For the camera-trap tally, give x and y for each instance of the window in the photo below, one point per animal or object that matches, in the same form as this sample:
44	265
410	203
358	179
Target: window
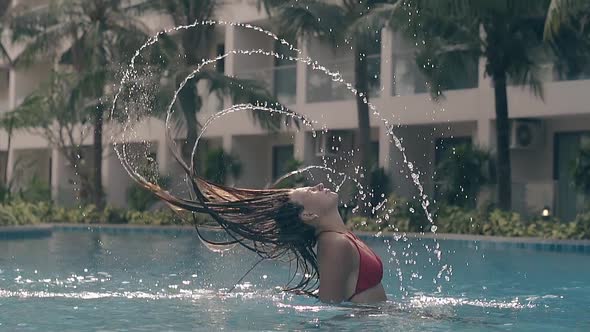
374	162
569	201
285	75
220	65
281	157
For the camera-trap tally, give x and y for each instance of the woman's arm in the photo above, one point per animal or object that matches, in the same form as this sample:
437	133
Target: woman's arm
335	254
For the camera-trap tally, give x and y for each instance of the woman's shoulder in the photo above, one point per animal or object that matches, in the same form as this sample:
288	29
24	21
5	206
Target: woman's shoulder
335	241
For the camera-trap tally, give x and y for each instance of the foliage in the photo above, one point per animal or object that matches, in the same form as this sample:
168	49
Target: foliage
293	181
88	38
564	12
462	173
380	187
397	214
219	164
195	45
509	34
484	221
141	199
4	193
35	191
581	170
345	24
19	212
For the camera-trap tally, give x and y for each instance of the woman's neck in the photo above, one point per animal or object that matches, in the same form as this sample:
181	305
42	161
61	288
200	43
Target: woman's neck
331	223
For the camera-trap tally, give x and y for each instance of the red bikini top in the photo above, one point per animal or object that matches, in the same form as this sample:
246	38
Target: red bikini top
370	265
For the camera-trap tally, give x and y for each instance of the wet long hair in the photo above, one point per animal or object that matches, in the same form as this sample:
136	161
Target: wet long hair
263	221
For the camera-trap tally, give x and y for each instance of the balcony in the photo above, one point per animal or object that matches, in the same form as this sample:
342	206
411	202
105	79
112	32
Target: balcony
321	87
409	80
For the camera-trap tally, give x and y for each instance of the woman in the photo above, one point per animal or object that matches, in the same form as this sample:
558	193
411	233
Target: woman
289	223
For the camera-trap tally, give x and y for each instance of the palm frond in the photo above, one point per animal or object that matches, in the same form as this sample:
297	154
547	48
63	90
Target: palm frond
370	23
560	12
248	91
323	20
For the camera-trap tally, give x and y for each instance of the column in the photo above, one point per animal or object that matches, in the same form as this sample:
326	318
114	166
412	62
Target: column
57	165
484	133
386	75
230	45
299	146
301	94
386	78
227	146
163	154
384	148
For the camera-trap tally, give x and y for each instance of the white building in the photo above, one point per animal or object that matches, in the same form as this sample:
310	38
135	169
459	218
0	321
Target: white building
540	168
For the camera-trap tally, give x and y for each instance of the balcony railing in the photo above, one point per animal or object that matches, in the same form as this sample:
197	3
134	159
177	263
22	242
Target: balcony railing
409	80
281	81
321	87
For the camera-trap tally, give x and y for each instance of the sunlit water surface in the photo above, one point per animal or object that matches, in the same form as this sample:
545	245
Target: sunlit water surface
124	281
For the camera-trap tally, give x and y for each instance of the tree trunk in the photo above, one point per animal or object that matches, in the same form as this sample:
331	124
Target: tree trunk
5	175
363	141
192	130
97	192
503	173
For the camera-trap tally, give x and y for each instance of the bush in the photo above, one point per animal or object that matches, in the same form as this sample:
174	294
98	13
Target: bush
36	191
380	185
580	170
25	213
484	221
141	199
582	226
219	164
453	219
397	214
462	174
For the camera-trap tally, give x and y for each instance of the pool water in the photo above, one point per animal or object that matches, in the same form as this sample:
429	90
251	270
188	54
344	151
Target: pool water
82	280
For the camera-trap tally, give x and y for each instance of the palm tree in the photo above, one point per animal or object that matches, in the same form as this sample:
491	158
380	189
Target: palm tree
60	112
567	30
561	12
508	33
88	36
359	22
195	44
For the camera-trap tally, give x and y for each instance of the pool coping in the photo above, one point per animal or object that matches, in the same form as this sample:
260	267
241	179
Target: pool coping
47	229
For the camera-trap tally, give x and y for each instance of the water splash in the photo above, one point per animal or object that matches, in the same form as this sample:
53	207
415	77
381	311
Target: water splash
128	77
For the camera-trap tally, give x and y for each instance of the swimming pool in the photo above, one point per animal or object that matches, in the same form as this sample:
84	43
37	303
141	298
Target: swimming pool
81	279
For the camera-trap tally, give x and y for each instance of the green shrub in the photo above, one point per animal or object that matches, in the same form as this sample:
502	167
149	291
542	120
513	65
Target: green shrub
462	173
219	164
36	191
484	221
582	226
397	214
141	199
25	213
580	170
380	184
453	219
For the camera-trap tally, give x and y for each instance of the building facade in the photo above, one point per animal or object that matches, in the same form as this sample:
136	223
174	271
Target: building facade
546	134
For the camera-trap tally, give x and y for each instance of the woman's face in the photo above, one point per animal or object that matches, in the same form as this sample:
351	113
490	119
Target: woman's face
317	201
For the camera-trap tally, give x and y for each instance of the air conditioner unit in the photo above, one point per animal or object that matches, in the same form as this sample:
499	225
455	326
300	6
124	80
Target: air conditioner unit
526	134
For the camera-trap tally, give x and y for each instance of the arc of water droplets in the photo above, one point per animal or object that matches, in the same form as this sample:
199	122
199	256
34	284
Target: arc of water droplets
315	66
336	76
308	61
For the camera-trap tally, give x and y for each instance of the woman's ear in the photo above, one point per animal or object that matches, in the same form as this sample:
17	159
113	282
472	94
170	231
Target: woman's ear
308	216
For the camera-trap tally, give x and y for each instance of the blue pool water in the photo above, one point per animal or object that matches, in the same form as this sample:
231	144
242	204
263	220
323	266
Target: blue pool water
89	280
